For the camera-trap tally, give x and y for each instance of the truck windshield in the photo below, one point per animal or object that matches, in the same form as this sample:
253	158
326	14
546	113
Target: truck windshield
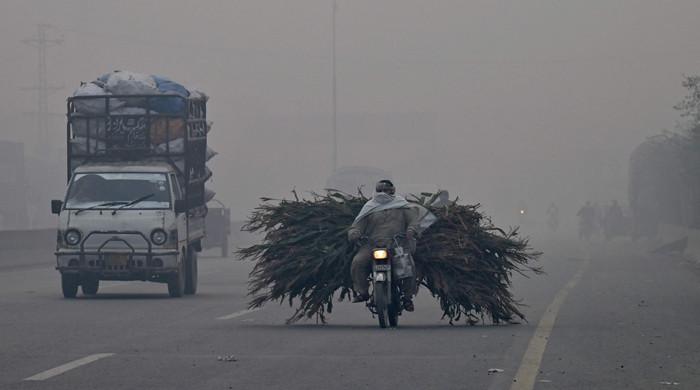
112	190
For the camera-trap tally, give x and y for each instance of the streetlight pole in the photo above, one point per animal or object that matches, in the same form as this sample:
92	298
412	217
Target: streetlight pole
334	99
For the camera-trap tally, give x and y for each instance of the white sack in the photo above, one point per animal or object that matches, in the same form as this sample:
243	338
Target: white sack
130	83
93	106
208	195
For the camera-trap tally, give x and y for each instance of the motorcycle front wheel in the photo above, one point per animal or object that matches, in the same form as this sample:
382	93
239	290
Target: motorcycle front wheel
395	308
381	303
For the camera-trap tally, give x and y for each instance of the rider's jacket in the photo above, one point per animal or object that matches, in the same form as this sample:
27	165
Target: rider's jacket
382	226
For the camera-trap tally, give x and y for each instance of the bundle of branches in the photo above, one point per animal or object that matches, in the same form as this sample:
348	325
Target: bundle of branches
462	259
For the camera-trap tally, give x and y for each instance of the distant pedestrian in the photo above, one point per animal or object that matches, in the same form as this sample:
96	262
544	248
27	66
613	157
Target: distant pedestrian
613	221
587	221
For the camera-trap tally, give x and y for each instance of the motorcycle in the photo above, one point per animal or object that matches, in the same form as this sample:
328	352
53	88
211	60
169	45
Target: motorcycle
392	267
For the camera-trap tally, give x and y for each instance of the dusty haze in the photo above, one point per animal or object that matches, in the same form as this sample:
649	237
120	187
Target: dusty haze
503	103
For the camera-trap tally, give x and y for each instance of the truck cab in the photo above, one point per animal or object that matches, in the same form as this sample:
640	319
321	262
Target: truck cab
125	222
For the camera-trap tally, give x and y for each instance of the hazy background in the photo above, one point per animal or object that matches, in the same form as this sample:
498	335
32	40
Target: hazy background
503	103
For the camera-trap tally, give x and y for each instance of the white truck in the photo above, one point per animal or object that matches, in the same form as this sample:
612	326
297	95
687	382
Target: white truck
135	203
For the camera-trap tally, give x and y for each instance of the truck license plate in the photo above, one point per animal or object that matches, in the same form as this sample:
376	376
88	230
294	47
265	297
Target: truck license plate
117	259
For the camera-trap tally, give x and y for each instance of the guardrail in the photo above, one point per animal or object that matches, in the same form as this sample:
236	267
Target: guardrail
20	248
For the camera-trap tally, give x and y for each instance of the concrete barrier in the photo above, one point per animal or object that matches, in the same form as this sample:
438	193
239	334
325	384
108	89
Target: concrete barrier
27	247
671	233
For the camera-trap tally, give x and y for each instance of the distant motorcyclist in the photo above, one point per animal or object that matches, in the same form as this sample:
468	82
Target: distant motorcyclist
587	221
382	217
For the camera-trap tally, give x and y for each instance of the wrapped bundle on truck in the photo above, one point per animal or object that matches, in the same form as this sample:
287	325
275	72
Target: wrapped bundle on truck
136	198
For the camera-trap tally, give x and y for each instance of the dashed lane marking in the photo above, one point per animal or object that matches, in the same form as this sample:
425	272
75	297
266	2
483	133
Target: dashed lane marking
67	367
237	314
530	364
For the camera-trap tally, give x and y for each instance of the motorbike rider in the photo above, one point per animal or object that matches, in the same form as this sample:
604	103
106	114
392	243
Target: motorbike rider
383	217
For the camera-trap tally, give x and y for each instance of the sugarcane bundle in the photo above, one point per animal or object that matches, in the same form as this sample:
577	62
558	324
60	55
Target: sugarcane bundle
462	259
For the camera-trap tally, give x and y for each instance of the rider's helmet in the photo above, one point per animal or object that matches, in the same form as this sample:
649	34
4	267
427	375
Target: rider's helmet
385	186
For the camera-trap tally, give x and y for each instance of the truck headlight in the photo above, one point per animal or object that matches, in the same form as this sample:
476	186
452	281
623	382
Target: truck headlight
72	237
159	236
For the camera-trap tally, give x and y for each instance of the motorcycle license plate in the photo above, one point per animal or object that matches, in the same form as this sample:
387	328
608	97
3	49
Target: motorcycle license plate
118	259
382	267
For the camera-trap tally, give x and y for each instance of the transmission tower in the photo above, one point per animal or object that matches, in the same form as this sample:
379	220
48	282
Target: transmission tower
42	42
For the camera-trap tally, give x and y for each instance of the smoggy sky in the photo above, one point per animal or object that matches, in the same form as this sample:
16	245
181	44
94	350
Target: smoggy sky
503	103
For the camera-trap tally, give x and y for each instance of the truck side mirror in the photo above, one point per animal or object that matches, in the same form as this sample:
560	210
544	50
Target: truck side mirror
56	206
180	206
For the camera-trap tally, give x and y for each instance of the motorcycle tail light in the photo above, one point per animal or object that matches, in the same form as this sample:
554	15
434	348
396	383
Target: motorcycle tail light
380	254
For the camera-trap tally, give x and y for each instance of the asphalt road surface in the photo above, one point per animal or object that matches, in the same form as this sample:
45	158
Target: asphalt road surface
603	317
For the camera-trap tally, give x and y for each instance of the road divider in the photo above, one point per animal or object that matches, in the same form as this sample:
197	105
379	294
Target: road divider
42	376
238	314
27	239
27	247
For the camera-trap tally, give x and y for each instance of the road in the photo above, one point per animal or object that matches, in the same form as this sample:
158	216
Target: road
606	317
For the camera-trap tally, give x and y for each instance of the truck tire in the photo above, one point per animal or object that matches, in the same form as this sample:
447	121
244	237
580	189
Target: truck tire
176	281
90	286
69	285
191	273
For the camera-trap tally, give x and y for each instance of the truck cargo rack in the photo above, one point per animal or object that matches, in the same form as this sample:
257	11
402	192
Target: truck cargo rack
128	128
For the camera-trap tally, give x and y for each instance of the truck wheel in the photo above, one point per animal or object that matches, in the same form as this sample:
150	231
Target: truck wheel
69	285
176	282
90	286
191	274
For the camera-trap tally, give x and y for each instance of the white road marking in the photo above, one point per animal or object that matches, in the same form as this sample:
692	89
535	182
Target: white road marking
67	367
237	314
530	364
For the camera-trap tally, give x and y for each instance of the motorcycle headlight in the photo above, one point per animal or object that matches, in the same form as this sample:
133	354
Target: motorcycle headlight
380	254
72	237
159	236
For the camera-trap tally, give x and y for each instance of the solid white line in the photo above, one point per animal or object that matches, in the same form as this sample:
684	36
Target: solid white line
530	365
237	314
67	367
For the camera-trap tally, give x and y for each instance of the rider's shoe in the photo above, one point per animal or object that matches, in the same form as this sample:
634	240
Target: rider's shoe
360	298
408	304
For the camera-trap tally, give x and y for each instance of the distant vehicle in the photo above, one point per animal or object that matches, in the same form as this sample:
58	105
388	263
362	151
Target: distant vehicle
218	227
135	204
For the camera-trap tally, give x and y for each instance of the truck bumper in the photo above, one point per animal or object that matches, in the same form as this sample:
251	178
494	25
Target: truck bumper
119	265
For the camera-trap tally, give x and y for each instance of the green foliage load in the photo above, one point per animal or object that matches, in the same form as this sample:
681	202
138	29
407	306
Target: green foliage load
463	260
